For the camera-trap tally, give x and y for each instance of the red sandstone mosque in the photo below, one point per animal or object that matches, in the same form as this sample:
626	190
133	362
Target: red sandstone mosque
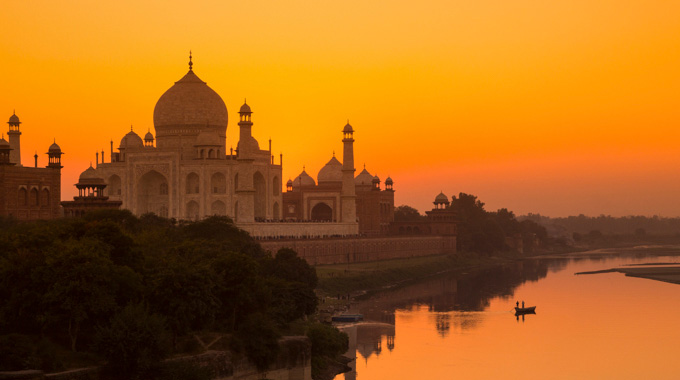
26	192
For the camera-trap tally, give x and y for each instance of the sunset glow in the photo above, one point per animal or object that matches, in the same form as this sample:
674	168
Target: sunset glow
558	108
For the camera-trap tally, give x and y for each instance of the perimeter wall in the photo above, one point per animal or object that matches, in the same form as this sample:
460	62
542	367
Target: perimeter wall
363	249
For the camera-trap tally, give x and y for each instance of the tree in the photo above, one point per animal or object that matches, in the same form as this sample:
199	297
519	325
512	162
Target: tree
184	294
82	287
133	341
406	213
478	231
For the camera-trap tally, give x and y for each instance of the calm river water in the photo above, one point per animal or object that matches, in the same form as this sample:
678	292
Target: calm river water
600	326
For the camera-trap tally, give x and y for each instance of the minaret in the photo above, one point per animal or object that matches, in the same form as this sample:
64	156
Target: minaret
14	136
348	196
245	190
246	143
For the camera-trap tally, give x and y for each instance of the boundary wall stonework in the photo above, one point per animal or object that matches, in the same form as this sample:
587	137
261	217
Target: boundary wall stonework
363	249
293	230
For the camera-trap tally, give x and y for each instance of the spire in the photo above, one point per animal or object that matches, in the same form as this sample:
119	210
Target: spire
191	64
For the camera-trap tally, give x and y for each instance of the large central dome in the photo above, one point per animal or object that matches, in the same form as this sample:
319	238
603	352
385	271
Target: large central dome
188	107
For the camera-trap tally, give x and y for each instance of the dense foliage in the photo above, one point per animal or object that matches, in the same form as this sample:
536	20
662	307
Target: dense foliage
607	224
487	232
405	213
327	343
125	286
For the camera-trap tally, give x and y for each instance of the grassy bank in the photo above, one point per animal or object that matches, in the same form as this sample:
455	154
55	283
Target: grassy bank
358	277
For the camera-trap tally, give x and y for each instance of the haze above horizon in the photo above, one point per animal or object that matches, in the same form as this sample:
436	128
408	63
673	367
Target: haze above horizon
558	108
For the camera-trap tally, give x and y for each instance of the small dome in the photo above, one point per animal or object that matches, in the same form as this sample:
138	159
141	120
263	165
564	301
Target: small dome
290	182
14	119
389	181
376	179
148	136
208	137
54	148
245	108
441	198
90	177
4	143
364	178
348	128
331	172
303	179
131	141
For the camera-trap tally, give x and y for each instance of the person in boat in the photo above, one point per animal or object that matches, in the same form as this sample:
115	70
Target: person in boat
517	303
522	304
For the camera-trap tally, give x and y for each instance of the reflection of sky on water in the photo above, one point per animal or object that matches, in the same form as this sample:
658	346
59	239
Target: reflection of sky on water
597	326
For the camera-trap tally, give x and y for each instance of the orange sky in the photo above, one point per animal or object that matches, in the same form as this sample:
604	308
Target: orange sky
558	108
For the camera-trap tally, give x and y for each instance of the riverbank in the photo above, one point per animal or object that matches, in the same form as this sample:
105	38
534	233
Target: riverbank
339	281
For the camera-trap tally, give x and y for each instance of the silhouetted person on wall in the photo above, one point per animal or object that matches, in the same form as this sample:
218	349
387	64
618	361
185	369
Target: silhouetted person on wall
522	304
517	303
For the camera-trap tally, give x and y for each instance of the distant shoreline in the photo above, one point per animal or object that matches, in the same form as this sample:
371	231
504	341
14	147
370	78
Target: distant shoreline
670	274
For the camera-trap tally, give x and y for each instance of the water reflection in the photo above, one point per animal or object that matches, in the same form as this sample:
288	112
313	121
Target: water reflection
468	321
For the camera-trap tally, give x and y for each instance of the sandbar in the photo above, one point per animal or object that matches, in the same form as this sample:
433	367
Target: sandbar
669	274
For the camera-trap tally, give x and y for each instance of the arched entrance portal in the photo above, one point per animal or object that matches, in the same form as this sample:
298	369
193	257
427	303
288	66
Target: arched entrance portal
322	212
150	194
218	208
260	196
192	210
113	189
276	214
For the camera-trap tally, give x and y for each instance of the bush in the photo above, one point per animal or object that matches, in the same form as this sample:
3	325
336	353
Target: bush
16	352
327	340
259	339
177	370
134	341
19	352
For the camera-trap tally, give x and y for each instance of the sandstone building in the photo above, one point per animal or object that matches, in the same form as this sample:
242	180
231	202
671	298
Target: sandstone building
90	195
28	193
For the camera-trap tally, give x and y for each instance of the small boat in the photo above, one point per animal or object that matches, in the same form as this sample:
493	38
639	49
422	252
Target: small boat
525	310
347	318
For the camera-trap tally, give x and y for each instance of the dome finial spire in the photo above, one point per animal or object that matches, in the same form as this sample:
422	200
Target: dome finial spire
191	64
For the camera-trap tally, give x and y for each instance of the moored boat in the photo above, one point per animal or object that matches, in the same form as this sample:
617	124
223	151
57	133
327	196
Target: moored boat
525	310
347	318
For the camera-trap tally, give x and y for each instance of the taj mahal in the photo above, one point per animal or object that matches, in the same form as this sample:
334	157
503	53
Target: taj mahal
186	172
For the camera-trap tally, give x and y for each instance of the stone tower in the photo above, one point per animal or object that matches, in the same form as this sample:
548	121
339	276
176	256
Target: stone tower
14	136
246	148
348	195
